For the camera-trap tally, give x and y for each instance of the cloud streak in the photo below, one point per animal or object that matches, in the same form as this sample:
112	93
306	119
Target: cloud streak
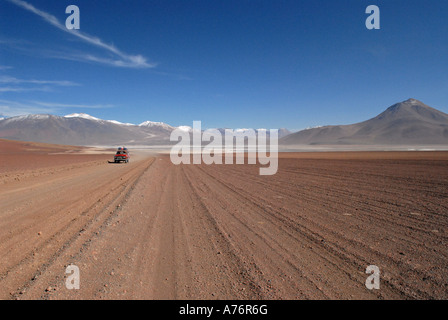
10	108
12	84
12	80
77	106
23	89
122	59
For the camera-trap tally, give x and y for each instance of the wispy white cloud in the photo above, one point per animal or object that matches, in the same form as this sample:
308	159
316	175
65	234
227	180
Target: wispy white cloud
64	105
13	80
86	57
122	59
14	108
12	84
11	108
23	89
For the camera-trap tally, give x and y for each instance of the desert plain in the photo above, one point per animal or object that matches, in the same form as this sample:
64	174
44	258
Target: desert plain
153	230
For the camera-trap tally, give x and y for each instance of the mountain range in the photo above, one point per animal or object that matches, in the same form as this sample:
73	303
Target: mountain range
86	130
406	123
409	122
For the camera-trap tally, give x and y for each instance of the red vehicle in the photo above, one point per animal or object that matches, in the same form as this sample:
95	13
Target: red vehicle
122	155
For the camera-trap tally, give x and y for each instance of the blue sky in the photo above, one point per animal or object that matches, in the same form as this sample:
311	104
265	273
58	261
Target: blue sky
228	63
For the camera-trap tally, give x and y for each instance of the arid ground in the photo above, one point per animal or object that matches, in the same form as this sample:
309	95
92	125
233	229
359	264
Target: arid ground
153	230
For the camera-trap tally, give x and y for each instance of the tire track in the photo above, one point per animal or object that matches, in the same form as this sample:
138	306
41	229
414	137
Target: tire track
76	228
338	250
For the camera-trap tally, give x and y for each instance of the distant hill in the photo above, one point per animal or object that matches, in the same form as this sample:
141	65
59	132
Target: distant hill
85	130
406	123
410	122
81	129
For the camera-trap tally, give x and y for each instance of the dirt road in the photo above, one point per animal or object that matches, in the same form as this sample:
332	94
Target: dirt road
153	230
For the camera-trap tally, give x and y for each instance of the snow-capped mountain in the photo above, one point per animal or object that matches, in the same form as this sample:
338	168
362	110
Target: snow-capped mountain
84	129
82	115
282	132
151	124
185	128
81	129
89	117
